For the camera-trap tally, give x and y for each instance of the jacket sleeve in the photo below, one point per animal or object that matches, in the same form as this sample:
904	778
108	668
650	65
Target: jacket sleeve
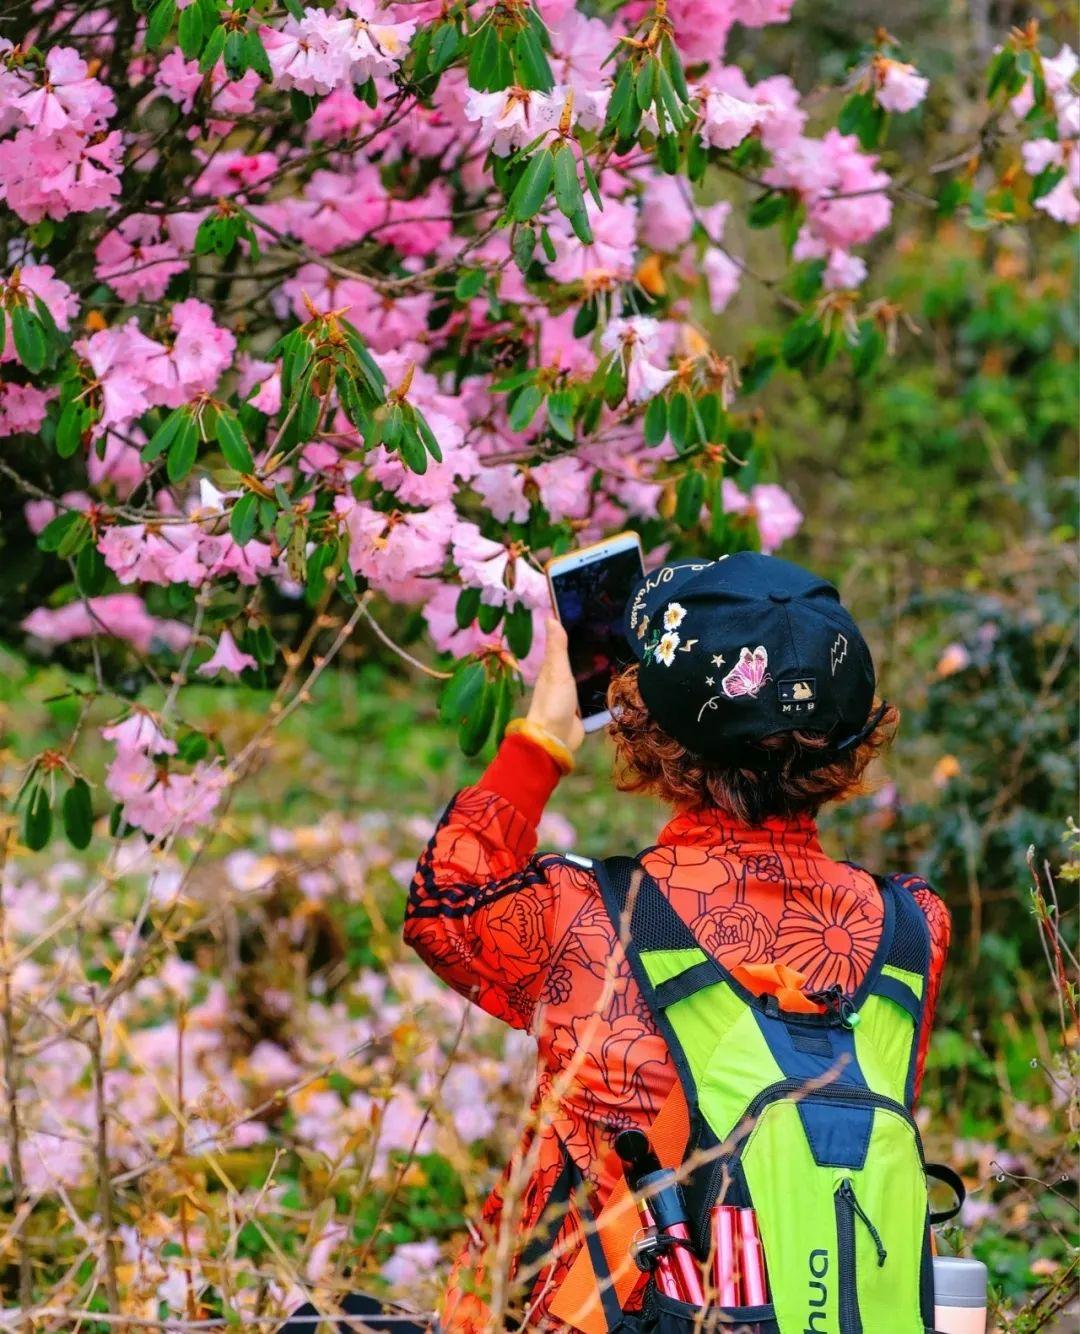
482	907
940	925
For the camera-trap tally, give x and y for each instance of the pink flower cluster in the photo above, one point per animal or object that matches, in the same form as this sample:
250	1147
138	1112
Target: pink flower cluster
157	798
61	158
323	50
1062	202
137	373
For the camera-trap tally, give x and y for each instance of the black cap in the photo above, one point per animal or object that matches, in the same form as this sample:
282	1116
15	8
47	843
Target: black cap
740	648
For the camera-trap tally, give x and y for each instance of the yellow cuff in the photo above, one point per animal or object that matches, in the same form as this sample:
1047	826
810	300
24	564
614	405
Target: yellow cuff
541	737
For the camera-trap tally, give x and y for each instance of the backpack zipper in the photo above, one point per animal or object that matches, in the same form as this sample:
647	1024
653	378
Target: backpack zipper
848	1209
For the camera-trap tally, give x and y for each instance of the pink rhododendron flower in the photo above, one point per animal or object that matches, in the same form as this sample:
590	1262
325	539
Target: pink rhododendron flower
666	217
136	261
55	294
22	408
727	120
178	79
513	117
843	270
227	657
121	615
410	1262
503	577
633	339
722	275
66	96
777	515
139	731
61	173
897	87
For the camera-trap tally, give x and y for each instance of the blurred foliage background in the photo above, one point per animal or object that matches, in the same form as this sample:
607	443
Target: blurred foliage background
940	493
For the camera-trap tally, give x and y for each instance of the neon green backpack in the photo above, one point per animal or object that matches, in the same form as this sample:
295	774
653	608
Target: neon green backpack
803	1117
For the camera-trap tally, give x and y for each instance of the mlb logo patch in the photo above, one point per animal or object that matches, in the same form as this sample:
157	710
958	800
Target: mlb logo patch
798	694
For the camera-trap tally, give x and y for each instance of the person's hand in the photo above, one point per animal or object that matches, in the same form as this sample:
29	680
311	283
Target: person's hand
554	699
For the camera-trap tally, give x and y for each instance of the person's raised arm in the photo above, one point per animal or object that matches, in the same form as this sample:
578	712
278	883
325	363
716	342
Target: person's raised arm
482	908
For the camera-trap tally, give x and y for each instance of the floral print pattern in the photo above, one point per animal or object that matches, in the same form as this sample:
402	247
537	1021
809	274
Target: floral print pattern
527	938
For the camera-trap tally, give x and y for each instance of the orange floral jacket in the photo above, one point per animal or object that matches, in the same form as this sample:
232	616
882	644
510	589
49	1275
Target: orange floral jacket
527	938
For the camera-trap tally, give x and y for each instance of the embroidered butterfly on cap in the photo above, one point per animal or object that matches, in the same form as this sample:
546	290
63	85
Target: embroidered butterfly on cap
739	648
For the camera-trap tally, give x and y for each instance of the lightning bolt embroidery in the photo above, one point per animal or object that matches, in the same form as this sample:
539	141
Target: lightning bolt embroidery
838	652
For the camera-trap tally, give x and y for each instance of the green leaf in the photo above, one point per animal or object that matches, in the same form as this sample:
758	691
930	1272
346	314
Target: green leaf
183	448
164	435
160	23
1001	71
568	194
645	83
524	245
255	56
444	47
484	59
214	48
621	95
531	191
868	350
75	537
591	183
242	519
466	608
585	320
548	245
504	703
1045	181
29	337
461	692
233	442
37	819
854	112
757	371
530	62
655	425
678	420
801	341
51	536
411	448
673	65
427	435
469	283
78	814
524	407
69	429
560	415
190	31
90	570
766	209
488	617
518	629
689	498
475	726
302	106
235	54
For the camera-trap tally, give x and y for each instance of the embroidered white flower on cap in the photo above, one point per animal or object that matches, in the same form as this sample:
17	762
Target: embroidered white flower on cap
674	616
665	650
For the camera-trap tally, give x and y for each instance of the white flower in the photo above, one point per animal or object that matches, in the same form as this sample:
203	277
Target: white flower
727	120
674	616
665	650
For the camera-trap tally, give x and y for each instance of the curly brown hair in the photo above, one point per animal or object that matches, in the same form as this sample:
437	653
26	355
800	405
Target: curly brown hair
782	774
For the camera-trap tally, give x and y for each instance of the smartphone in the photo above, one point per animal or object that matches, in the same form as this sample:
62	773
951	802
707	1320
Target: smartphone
589	591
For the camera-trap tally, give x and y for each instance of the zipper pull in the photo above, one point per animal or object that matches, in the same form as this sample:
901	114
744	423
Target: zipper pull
848	1192
839	1003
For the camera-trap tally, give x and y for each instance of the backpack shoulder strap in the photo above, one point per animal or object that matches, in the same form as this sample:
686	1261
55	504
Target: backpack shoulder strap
646	922
904	974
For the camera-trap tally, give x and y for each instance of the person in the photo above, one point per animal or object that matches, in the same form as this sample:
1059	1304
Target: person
751	706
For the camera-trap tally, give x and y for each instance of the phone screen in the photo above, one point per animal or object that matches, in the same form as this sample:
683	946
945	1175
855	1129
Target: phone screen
590	601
